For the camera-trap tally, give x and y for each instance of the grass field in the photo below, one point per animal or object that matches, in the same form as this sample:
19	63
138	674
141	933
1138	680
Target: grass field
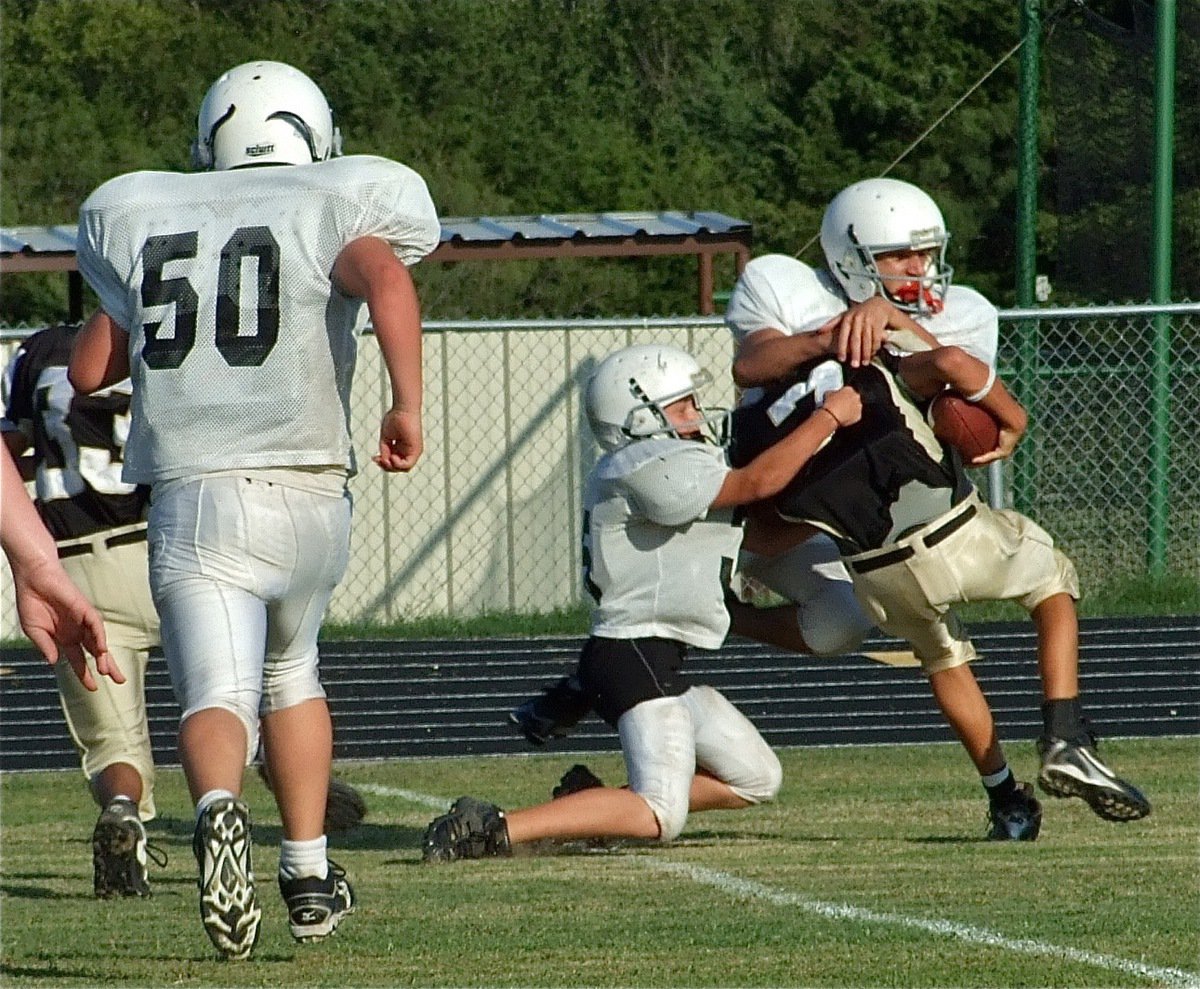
870	870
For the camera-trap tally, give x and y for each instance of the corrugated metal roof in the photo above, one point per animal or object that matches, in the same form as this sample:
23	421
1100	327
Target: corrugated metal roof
703	234
472	229
38	240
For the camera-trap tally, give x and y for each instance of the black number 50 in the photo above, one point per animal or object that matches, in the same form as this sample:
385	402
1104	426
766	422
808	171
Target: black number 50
238	349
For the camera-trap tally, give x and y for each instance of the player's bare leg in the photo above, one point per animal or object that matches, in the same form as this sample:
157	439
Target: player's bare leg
961	700
120	850
1057	627
710	793
1071	764
1014	814
298	747
599	812
212	748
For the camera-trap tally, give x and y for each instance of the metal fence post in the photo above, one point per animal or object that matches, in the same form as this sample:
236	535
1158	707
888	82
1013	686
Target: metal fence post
1164	141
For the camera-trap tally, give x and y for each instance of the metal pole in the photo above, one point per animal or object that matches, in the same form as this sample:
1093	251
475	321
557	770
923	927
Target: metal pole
1164	155
1026	253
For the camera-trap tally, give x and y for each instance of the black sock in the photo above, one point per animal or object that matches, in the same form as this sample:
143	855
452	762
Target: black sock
1001	791
1064	719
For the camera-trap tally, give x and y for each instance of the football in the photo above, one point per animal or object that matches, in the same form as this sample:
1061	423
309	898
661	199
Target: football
963	425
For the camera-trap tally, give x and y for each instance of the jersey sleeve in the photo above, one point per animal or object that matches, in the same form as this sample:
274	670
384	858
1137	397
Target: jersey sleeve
678	487
400	210
969	321
92	257
781	293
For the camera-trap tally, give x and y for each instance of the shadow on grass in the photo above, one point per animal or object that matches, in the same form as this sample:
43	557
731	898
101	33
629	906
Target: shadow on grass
176	834
20	891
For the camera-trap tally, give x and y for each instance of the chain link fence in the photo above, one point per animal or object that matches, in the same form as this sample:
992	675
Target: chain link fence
490	519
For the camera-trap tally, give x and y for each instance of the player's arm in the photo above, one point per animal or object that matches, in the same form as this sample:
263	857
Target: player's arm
52	611
368	269
769	473
770	355
929	372
100	354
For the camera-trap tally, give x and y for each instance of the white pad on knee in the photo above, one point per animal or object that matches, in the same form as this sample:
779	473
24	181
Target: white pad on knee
730	748
660	759
813	577
289	682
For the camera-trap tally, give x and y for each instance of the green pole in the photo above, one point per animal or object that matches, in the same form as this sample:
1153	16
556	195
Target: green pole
1026	252
1164	156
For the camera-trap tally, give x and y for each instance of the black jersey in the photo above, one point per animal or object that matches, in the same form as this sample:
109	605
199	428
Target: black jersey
77	439
873	481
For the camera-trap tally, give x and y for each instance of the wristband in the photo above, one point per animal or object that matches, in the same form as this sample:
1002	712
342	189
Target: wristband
837	423
980	395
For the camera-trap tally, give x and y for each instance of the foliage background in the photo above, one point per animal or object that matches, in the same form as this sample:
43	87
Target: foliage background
761	109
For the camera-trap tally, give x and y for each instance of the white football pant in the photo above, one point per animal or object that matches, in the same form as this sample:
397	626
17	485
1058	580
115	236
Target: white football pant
665	740
813	577
242	570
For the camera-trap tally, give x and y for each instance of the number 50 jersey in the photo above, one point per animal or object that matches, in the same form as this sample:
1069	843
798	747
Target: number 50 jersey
241	350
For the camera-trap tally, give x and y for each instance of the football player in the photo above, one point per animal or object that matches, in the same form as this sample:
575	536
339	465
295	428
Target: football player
887	281
659	536
232	297
917	539
73	446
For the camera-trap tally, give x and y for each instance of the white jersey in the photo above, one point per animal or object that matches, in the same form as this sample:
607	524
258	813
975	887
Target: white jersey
654	555
241	350
781	293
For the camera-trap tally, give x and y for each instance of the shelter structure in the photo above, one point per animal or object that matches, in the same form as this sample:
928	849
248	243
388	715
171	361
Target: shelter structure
479	238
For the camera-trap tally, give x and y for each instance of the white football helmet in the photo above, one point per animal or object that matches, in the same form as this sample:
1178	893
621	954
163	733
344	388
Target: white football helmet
873	217
626	396
261	113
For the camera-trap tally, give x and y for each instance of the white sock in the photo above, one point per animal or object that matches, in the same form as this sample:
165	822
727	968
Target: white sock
210	798
994	779
300	859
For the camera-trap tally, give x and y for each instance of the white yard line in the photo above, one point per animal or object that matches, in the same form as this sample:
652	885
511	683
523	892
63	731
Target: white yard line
736	886
424	799
746	888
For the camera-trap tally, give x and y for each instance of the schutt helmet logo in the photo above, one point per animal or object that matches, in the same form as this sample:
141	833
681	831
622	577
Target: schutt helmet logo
258	150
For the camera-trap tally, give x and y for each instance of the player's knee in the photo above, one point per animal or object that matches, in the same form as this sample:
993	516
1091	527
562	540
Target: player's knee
764	785
833	623
288	684
241	707
670	810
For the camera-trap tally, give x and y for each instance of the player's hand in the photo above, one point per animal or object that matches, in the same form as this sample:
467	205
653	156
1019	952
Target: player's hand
862	329
1009	438
845	405
400	441
60	621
